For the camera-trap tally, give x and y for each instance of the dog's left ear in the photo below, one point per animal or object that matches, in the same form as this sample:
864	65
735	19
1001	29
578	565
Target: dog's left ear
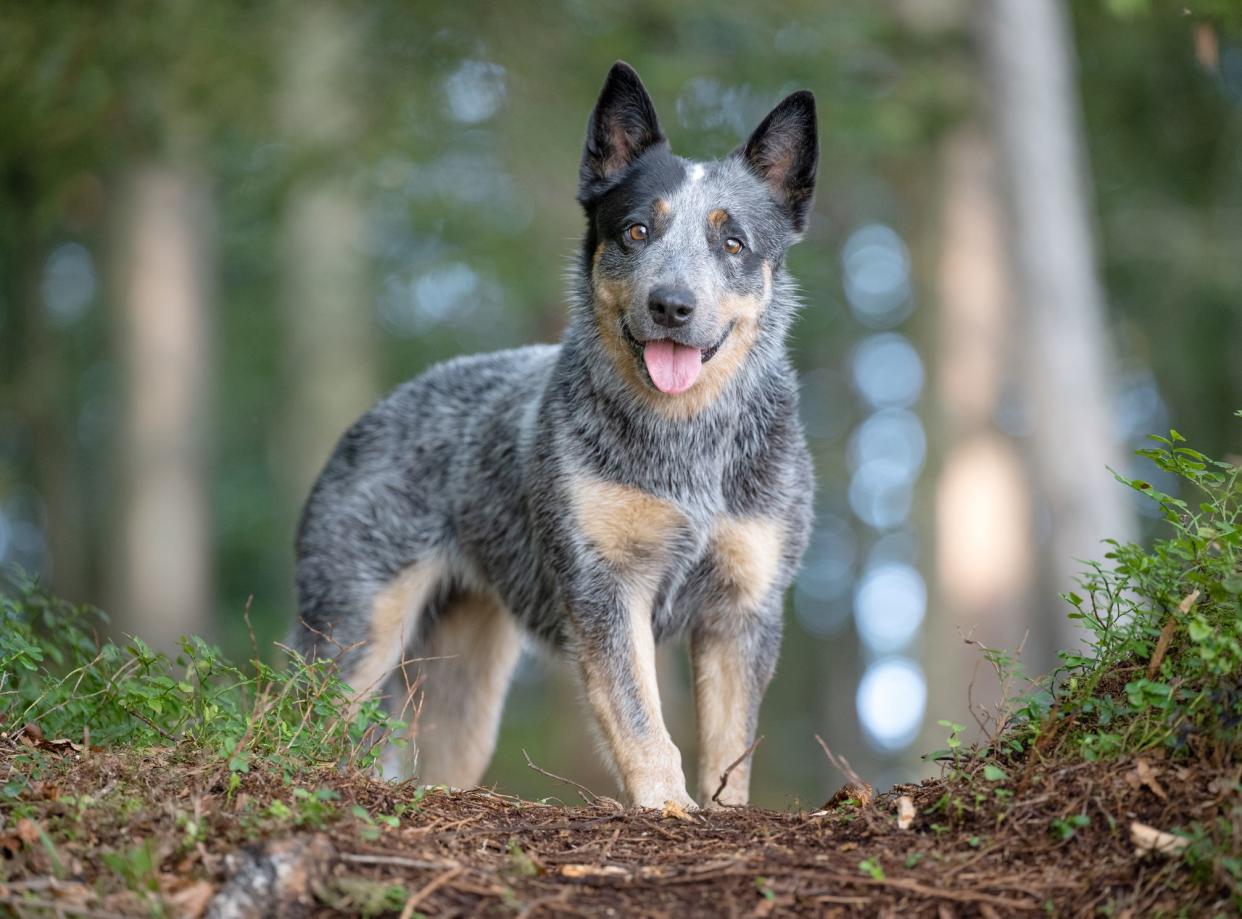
784	151
622	127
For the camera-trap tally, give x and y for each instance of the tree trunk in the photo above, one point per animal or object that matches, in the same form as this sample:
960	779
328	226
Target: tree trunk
984	538
1067	360
164	569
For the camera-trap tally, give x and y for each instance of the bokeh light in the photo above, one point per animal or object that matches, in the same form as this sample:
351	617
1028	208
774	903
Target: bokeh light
68	285
475	91
891	701
887	371
876	270
890	603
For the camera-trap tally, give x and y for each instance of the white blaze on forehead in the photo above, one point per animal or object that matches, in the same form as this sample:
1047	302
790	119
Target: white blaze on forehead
696	172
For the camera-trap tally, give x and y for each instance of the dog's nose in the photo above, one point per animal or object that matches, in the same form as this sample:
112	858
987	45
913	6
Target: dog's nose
671	307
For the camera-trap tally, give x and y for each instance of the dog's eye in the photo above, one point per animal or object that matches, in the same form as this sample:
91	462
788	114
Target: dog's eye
733	245
637	232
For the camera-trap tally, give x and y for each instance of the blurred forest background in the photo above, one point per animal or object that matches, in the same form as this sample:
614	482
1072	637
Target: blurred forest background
226	228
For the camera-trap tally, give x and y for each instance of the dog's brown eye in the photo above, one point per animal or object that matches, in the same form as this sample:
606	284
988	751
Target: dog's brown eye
637	232
733	245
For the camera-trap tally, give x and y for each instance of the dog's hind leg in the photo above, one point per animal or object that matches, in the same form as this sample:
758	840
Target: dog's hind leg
370	628
465	664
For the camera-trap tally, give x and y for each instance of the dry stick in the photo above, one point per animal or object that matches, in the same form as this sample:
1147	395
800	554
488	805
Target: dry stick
1166	633
923	890
395	861
418	896
149	723
583	791
254	644
58	907
841	764
724	776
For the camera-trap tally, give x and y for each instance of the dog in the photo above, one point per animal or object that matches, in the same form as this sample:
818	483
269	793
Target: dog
645	479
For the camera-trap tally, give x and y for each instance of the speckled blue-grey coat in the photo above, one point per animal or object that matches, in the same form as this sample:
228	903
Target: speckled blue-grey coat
645	479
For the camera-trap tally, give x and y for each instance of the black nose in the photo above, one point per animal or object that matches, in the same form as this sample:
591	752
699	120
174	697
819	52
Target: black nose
671	307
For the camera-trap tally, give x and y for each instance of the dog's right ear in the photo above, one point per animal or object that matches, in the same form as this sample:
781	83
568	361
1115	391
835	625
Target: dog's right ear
622	127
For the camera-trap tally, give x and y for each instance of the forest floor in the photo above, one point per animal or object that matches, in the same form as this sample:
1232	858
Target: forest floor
172	831
135	784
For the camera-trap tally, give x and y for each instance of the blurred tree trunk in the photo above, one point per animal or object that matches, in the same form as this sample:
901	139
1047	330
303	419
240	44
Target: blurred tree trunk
328	341
164	568
1067	361
985	550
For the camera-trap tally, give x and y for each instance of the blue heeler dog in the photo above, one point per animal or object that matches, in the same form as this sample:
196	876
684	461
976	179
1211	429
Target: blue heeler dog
647	478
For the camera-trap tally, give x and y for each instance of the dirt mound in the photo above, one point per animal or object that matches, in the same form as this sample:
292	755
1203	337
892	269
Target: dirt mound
126	832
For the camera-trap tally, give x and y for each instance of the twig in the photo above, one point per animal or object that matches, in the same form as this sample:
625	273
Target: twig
923	890
583	791
58	907
841	764
395	861
428	889
724	776
149	723
254	645
1166	633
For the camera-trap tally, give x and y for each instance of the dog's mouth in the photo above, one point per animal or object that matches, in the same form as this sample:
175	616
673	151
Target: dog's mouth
672	367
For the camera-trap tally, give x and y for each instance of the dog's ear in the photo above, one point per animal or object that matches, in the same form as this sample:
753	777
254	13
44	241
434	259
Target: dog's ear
621	128
784	151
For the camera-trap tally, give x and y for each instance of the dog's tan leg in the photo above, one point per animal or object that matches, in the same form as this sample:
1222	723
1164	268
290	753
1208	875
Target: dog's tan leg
619	673
629	530
395	612
469	658
733	652
726	696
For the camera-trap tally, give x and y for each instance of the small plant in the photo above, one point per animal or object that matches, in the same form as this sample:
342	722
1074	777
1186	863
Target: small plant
138	866
1064	828
56	674
517	862
871	867
375	824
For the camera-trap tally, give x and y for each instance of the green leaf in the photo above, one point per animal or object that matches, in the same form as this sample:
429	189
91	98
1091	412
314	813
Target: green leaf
994	773
1198	630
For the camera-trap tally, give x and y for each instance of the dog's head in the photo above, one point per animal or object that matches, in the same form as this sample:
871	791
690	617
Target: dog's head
682	255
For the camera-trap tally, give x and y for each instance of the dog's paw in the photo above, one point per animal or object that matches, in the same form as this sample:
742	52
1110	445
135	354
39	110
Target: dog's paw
661	799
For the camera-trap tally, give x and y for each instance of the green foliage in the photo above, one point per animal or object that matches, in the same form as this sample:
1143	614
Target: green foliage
1163	660
56	674
366	897
872	868
137	866
1064	828
1160	667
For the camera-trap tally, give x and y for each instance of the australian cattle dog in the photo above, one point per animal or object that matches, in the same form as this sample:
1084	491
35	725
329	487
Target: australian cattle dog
644	479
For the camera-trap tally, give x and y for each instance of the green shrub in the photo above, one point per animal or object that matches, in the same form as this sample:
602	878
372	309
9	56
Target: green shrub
58	674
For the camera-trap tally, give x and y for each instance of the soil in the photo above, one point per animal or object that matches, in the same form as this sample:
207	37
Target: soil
116	832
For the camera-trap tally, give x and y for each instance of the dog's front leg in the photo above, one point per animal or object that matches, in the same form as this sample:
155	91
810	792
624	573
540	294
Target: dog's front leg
733	662
616	654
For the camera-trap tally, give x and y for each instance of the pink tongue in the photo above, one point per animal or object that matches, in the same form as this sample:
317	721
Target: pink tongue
673	367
